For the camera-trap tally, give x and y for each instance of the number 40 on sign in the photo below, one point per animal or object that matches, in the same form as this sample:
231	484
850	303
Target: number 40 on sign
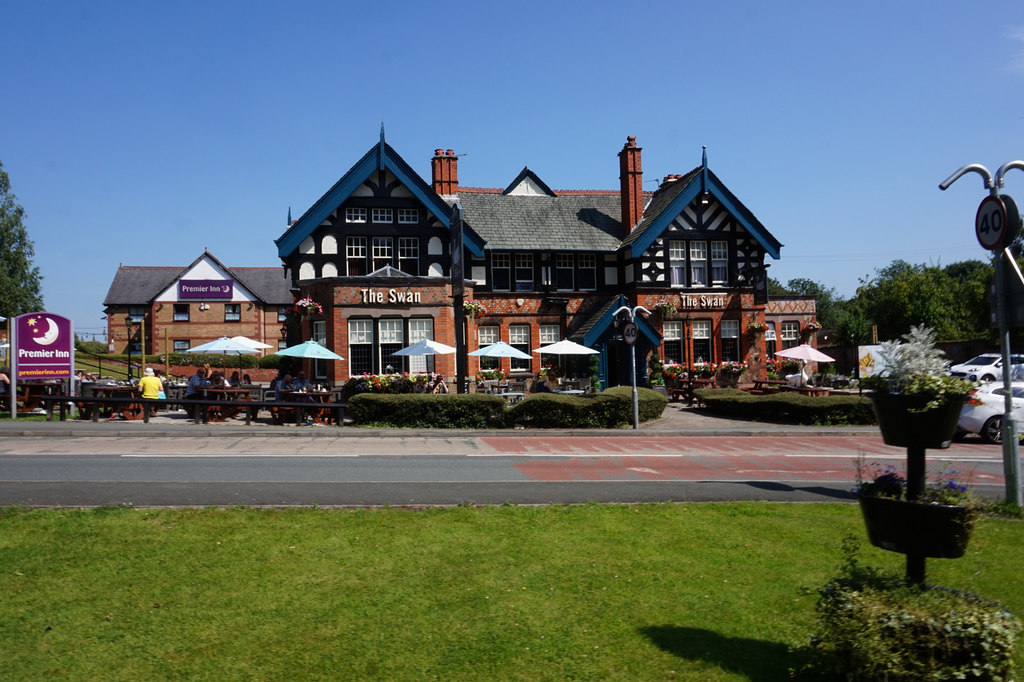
997	222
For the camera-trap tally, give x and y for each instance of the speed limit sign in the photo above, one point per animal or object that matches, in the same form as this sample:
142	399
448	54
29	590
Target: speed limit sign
997	222
630	332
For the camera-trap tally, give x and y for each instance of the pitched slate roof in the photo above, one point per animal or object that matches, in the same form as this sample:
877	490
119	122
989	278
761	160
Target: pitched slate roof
578	222
138	285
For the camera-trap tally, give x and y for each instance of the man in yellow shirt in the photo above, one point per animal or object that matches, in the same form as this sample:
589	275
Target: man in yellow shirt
150	386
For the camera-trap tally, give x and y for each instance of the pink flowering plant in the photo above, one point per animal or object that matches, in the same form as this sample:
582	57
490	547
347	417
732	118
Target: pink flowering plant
732	368
422	382
305	307
705	369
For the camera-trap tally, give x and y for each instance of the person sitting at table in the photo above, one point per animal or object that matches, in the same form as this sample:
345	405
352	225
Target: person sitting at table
300	383
234	381
541	386
439	385
246	380
283	386
218	380
196	382
149	385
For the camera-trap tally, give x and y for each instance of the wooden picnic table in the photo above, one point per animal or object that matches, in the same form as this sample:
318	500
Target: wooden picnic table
129	410
768	385
231	401
283	415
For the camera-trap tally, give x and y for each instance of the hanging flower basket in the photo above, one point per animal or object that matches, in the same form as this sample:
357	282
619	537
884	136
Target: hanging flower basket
757	327
664	309
305	307
473	309
922	528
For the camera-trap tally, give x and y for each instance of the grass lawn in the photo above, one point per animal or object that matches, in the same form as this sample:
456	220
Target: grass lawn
648	592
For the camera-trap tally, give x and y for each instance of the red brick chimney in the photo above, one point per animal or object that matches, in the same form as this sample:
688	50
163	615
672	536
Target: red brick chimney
631	181
445	172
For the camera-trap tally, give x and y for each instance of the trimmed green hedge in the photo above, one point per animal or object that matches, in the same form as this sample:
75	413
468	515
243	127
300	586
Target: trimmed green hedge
608	410
788	408
429	411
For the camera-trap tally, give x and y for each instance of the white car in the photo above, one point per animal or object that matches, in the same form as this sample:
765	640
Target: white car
983	412
987	367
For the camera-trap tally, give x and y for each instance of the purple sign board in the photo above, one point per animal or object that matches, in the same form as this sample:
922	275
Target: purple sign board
43	347
206	288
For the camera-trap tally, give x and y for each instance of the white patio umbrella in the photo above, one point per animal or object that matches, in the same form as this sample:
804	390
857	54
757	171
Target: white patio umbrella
500	349
805	352
224	345
252	343
426	347
566	347
310	349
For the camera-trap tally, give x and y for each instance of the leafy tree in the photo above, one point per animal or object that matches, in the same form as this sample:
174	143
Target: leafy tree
951	300
19	279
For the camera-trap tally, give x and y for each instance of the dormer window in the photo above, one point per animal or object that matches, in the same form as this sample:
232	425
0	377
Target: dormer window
355	215
383	216
408	216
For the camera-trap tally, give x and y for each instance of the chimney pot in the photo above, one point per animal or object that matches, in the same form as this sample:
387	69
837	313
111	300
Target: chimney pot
631	184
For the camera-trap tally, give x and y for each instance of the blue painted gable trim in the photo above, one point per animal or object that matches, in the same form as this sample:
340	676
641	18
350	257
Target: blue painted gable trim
380	157
722	195
592	337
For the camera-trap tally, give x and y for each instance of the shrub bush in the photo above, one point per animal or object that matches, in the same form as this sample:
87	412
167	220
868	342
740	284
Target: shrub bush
788	408
554	411
651	403
874	626
436	411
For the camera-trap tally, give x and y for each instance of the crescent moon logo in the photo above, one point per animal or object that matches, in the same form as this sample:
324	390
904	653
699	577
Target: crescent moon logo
50	335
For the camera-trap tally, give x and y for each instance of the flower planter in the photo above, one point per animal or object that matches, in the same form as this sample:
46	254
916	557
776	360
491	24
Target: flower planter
903	427
930	530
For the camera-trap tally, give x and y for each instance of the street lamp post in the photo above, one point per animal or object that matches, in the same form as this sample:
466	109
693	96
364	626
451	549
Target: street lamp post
632	353
1003	261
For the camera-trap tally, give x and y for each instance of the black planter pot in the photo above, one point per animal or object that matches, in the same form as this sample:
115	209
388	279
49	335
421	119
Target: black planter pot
902	427
930	530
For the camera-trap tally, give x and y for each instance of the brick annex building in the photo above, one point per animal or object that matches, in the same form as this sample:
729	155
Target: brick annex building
376	253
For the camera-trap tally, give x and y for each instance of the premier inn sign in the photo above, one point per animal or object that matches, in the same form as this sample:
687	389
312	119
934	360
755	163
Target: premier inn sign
206	288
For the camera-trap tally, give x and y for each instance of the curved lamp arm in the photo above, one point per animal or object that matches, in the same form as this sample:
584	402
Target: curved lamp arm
971	167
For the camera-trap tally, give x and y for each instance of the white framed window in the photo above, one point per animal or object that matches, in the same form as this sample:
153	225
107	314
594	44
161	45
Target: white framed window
486	335
719	262
549	333
355	256
383	215
698	263
320	336
501	271
392	338
181	312
360	347
564	272
421	329
232	312
282	313
282	344
382	247
672	333
731	340
355	215
677	262
181	345
409	255
408	216
790	334
524	272
702	349
587	271
519	338
137	313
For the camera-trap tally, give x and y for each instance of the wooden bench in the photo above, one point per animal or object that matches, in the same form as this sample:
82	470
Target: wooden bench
252	408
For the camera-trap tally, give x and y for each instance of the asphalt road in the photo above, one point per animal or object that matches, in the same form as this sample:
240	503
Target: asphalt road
76	464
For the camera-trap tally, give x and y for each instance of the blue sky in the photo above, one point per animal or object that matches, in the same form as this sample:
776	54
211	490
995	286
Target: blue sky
142	132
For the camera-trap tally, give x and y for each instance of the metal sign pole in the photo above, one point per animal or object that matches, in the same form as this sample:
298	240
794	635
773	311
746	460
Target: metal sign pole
995	232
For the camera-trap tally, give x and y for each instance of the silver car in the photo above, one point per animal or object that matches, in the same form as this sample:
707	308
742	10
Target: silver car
983	412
